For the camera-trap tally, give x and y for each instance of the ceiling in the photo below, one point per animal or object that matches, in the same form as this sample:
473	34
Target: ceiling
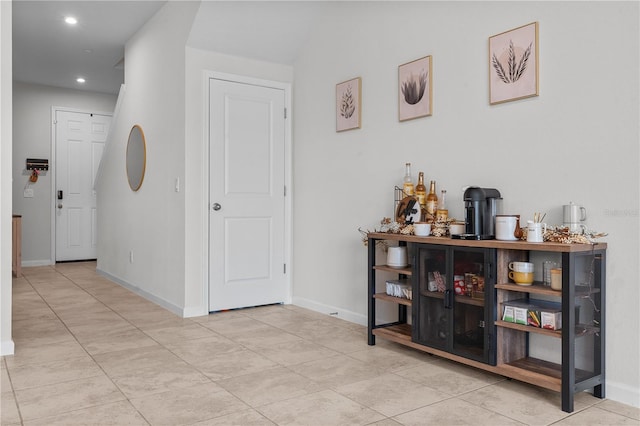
272	31
48	51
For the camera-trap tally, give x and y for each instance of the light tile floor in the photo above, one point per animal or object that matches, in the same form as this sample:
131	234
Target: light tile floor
89	351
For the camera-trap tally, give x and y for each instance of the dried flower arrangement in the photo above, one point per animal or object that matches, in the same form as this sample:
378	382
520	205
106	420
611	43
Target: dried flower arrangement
562	234
440	228
386	225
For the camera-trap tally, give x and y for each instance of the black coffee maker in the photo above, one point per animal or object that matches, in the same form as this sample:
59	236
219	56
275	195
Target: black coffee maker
480	210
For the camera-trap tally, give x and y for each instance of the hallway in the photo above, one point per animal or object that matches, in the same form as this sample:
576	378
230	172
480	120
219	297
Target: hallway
89	351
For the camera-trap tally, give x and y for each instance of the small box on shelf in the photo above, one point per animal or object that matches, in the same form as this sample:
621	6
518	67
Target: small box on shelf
399	288
538	313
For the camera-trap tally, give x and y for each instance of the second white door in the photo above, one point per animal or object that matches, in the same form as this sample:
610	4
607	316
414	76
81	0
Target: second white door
247	195
80	139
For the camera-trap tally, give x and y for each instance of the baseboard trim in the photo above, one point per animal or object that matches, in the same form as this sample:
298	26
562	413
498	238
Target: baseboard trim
140	292
194	312
7	347
623	393
334	311
31	263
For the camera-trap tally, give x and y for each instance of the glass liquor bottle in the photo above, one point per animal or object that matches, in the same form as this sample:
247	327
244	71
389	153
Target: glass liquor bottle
421	191
442	213
407	186
432	201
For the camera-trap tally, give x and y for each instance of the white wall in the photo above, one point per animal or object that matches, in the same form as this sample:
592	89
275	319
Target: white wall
150	222
577	141
32	139
198	64
6	342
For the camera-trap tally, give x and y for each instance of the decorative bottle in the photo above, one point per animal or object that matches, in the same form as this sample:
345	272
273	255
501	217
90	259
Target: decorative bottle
432	201
407	186
442	213
421	191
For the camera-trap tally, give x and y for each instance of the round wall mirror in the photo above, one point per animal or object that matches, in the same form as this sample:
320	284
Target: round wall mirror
136	157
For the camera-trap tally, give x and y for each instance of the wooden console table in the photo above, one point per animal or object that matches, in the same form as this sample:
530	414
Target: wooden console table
582	300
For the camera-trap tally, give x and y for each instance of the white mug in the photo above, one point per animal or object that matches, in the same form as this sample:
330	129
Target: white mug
422	229
535	232
521	266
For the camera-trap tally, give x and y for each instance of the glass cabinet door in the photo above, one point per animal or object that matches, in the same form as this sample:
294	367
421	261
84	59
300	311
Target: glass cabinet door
430	316
470	312
583	361
450	285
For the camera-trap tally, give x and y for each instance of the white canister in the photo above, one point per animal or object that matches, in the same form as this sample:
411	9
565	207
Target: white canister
506	227
456	228
397	257
535	232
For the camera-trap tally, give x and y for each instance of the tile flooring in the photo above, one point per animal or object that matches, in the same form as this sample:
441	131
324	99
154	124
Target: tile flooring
88	351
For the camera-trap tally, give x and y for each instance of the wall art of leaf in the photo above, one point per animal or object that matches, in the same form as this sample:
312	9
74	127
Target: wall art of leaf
347	106
413	88
515	68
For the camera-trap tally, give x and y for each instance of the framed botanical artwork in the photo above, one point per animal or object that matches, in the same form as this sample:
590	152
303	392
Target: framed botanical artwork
415	97
348	104
513	64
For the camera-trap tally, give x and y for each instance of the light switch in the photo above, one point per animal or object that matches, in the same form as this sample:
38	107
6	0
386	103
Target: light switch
28	193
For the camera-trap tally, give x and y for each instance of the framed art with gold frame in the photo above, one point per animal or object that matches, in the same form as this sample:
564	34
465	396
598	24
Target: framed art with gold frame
513	64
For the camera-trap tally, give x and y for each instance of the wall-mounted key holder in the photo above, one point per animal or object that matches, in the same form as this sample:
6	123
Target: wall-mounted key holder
37	164
34	176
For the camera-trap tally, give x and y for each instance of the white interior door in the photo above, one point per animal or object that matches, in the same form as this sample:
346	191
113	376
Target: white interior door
80	139
247	195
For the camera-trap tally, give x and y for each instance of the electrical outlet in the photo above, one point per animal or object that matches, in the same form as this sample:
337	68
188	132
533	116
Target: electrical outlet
28	193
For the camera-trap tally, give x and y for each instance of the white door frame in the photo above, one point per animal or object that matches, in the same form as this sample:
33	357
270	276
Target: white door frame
52	168
288	199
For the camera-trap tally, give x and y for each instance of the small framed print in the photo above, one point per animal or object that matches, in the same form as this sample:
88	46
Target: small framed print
415	97
348	104
513	64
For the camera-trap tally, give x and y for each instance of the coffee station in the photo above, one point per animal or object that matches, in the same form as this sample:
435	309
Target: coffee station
487	293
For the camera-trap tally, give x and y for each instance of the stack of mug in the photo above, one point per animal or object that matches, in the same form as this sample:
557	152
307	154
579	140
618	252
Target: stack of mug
521	272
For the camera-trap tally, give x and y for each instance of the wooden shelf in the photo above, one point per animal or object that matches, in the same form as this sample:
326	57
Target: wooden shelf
400	333
536	288
466	300
535	371
539	288
581	329
469	301
586	329
404	271
508	245
529	329
394	299
539	372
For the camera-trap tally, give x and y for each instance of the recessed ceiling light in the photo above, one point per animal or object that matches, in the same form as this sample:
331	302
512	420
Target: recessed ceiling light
80	80
70	20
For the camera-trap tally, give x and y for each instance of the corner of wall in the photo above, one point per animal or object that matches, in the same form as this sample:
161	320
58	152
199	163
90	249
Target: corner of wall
6	130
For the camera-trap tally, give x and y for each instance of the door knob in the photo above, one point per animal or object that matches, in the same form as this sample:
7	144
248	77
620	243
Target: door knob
216	206
60	205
